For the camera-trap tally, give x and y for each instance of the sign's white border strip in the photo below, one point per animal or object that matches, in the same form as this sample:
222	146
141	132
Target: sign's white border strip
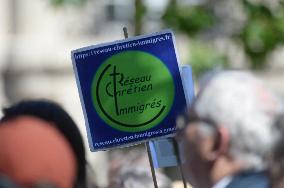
123	41
90	140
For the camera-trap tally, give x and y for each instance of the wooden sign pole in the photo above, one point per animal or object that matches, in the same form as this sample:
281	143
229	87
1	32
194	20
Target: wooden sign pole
179	163
147	144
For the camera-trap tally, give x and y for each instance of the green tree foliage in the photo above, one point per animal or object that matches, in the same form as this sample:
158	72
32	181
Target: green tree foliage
262	32
65	2
194	20
140	11
204	58
188	19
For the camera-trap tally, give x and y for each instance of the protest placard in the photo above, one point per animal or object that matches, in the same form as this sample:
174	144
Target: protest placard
130	90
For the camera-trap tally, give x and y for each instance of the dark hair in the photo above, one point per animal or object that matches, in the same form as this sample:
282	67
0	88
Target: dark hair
277	166
54	113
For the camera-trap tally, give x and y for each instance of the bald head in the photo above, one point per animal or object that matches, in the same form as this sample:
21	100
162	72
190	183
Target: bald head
33	151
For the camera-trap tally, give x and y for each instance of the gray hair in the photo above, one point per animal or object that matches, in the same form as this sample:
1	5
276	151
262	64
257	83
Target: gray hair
239	101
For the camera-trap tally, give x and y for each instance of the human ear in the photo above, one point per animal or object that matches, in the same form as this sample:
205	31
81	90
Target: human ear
223	140
212	145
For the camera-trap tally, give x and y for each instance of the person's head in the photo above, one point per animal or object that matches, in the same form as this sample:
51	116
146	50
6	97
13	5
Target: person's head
41	140
229	128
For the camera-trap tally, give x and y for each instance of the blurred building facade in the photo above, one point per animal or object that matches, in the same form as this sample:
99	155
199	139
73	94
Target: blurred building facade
36	39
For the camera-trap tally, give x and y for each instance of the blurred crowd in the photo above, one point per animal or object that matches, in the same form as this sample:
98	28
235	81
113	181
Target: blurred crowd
232	136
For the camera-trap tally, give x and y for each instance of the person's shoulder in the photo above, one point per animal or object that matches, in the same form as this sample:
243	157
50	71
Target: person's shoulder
250	180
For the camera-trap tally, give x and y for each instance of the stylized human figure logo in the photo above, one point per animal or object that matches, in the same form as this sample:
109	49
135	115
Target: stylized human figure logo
133	91
114	95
